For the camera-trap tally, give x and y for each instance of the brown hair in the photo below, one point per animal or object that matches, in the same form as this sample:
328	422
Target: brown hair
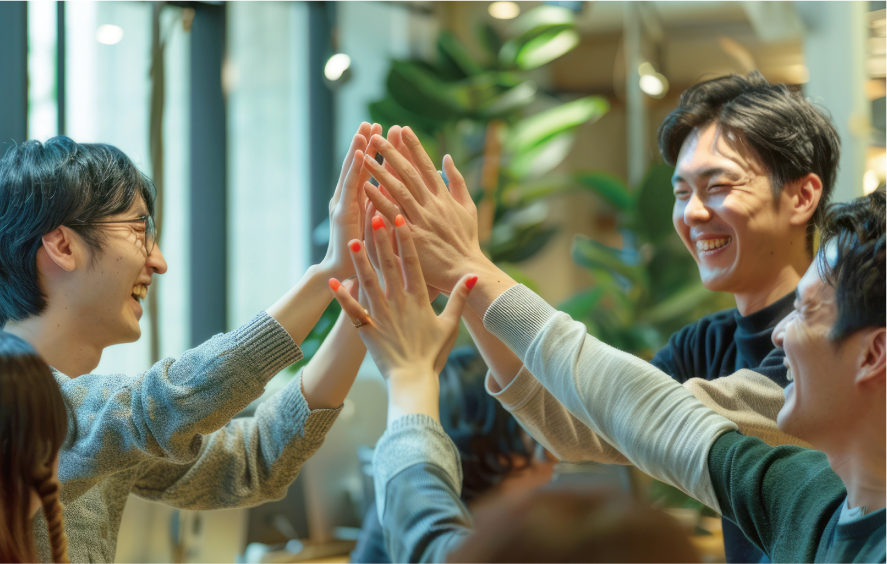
569	525
33	425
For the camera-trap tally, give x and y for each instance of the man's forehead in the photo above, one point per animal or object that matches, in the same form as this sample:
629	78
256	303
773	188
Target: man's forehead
712	148
812	287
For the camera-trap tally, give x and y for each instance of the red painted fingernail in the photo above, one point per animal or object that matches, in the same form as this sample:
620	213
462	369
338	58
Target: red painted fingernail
378	223
398	221
355	246
471	282
334	284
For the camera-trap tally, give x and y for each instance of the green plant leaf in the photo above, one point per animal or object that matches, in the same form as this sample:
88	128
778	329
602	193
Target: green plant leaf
678	304
538	128
388	112
545	48
511	100
421	92
526	192
591	254
581	304
655	197
450	47
490	40
542	158
608	187
542	20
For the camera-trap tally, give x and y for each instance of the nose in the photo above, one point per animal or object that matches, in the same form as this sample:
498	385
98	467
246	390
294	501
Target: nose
156	262
695	211
778	336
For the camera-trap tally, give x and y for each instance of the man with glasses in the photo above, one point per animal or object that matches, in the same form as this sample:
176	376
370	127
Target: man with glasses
78	254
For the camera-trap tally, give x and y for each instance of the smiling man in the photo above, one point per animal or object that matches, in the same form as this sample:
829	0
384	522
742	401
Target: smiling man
77	257
755	164
794	504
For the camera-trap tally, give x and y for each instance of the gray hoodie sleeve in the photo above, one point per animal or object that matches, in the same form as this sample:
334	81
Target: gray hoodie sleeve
118	421
633	406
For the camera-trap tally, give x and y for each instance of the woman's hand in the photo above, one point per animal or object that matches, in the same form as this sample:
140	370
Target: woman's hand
443	222
347	204
407	340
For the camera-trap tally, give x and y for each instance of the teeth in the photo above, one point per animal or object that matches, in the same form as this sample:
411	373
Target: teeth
140	291
709	244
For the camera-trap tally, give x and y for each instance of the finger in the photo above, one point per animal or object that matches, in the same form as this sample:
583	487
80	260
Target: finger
458	298
350	306
371	150
351	189
412	180
395	187
458	188
385	206
391	271
357	142
414	281
422	162
368	234
366	276
352	286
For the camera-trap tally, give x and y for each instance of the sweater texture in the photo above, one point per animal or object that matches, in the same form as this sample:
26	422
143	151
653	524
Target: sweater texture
167	435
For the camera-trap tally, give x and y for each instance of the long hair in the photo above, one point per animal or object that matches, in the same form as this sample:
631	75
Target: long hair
33	425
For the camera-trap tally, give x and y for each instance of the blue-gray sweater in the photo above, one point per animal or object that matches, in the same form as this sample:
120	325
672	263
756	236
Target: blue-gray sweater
167	435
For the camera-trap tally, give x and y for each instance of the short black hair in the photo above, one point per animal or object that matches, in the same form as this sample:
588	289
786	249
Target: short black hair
46	185
856	231
488	437
790	136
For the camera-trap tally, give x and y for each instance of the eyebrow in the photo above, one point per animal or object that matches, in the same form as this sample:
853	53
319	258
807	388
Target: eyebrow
708	173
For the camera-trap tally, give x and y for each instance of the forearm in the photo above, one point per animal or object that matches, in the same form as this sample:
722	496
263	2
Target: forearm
249	461
418	479
301	307
504	365
630	404
492	282
413	392
328	376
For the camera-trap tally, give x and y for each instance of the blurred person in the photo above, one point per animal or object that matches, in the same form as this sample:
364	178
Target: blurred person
33	424
416	465
493	449
755	166
77	257
794	504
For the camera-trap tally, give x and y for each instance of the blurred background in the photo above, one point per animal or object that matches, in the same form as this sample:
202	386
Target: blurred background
242	112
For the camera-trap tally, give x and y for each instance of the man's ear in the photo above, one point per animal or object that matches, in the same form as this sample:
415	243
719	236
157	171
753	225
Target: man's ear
804	195
873	358
59	248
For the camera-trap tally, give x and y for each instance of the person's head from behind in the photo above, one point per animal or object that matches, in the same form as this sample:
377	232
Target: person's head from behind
76	236
755	164
33	425
834	341
564	525
491	444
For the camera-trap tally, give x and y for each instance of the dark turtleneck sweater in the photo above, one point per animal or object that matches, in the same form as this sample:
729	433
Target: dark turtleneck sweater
718	345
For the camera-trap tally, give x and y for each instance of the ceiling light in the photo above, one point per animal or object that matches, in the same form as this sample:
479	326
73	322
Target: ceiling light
109	34
504	10
654	85
336	67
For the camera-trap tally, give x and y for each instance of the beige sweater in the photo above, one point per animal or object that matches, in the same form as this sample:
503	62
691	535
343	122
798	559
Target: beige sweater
747	398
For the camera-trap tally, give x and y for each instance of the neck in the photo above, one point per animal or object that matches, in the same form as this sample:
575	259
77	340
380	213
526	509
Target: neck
59	340
861	467
770	289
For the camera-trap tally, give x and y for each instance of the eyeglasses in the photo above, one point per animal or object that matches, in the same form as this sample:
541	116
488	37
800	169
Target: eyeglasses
150	230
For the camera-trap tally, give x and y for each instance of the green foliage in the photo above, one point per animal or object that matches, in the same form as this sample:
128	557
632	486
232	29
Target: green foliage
649	288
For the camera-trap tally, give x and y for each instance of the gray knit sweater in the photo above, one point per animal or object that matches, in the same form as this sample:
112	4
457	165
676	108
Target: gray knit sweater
167	435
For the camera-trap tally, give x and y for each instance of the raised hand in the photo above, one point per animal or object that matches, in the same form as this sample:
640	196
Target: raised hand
347	204
443	222
400	329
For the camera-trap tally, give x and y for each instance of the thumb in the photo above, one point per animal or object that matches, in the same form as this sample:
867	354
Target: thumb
458	298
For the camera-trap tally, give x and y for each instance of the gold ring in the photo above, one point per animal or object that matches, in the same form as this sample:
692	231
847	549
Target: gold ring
358	323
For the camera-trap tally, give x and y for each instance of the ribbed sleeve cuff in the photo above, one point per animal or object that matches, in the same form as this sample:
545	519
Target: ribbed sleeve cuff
266	345
516	317
294	410
410	440
517	393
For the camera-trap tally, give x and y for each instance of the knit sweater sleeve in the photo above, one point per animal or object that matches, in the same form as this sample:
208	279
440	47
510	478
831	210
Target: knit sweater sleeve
772	493
746	398
249	461
418	479
118	421
641	411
